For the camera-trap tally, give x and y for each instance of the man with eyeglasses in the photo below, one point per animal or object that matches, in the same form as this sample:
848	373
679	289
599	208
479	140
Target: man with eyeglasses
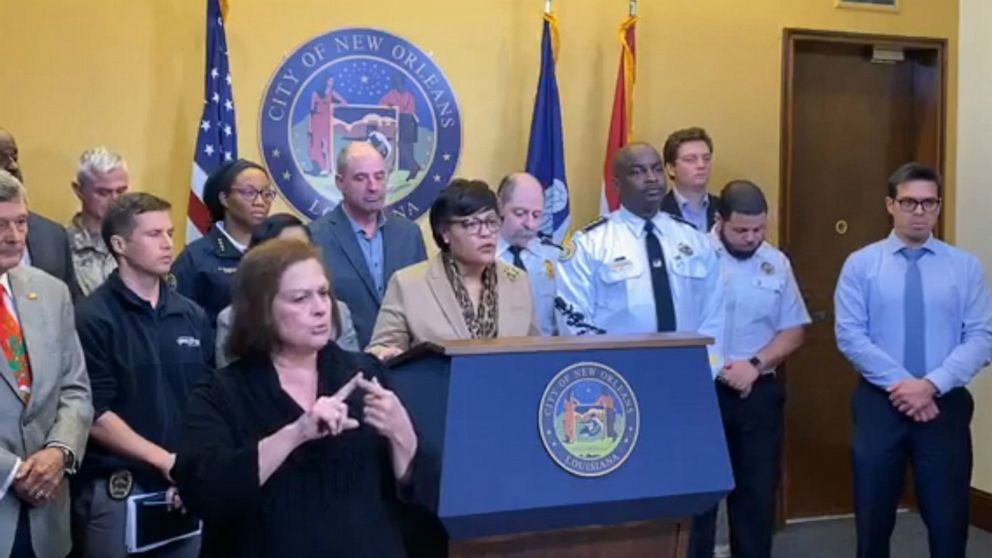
238	195
688	161
914	318
362	245
101	177
521	244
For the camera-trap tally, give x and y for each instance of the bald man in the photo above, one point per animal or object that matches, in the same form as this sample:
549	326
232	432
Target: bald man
363	246
521	199
47	241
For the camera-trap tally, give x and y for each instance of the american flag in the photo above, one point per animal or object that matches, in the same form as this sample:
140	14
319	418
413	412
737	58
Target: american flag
217	136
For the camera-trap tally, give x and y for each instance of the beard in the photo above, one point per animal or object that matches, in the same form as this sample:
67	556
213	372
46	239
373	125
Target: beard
735	253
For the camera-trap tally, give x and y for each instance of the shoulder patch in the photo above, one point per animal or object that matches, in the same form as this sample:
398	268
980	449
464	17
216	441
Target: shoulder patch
567	250
595	224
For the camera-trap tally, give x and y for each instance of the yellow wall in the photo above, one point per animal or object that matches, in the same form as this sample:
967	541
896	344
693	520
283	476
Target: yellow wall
128	74
974	168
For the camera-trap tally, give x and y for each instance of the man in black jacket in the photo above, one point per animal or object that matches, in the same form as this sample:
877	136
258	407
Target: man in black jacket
47	242
688	162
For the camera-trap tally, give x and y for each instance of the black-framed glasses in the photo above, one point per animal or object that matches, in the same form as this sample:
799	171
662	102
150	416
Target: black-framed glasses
251	194
475	226
909	205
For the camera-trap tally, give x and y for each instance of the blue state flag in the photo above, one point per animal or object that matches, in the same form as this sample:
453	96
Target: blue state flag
546	152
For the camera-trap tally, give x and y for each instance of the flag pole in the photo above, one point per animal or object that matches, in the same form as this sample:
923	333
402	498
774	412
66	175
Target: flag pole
632	7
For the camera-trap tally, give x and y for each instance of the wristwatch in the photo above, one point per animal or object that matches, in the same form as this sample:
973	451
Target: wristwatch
756	362
68	459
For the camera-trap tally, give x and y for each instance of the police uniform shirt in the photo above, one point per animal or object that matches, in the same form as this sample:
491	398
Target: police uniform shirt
204	272
604	285
762	299
540	260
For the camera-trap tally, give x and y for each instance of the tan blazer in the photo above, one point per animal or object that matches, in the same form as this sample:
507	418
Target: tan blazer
420	305
60	410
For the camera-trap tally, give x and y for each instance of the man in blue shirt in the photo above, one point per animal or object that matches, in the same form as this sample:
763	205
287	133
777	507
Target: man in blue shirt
914	317
521	244
362	245
146	346
688	162
765	317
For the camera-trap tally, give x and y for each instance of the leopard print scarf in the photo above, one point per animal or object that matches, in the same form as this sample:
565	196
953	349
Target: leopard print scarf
481	323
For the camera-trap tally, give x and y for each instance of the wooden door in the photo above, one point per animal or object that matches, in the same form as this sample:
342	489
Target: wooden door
848	122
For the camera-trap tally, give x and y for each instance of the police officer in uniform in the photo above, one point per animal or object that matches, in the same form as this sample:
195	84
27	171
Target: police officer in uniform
765	320
239	195
521	199
639	269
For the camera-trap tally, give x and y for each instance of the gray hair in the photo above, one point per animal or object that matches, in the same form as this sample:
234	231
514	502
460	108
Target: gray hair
97	161
11	188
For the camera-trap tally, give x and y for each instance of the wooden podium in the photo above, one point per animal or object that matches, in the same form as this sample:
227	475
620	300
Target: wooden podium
566	446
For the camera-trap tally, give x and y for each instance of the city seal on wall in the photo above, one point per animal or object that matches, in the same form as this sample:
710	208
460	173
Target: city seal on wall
589	419
359	84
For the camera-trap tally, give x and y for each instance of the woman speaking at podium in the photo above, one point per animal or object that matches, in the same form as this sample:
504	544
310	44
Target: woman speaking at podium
463	292
296	448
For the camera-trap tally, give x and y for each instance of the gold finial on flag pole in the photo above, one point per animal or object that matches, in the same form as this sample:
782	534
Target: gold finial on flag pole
633	8
547	6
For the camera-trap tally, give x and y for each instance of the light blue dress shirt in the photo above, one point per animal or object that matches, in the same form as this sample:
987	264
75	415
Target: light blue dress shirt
372	250
869	310
697	218
541	262
762	299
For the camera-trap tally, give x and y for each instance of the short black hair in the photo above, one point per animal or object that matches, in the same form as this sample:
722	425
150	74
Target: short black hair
119	220
741	196
273	226
461	198
910	172
220	181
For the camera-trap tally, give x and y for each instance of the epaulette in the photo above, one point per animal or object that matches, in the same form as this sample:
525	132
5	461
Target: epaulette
595	224
680	219
546	240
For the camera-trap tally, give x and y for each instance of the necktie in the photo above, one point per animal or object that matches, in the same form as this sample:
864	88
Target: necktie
12	343
664	308
914	351
517	260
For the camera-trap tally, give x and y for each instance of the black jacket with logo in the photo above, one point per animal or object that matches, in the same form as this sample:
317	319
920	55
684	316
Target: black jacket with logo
142	362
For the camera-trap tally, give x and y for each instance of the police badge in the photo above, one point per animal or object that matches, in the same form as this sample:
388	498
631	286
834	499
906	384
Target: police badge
685	250
120	484
767	268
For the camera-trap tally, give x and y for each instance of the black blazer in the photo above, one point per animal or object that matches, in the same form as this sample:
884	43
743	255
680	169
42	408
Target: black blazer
671	206
48	248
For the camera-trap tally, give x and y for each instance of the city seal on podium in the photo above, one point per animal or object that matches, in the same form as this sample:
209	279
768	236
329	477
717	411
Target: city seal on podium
359	84
589	419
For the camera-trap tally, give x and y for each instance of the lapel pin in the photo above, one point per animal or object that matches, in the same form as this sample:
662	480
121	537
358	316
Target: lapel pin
32	296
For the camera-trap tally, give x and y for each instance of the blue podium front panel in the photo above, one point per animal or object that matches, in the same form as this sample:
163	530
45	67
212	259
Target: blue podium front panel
628	435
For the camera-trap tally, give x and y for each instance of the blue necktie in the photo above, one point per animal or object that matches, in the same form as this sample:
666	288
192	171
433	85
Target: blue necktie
915	350
517	260
664	307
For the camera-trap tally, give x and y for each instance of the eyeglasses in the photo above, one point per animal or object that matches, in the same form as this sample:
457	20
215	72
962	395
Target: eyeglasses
19	224
251	194
909	205
474	226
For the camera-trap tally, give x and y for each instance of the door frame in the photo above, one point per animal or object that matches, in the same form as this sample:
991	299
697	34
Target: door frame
792	39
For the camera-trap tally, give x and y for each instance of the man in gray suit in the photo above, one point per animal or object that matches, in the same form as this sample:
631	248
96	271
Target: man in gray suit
48	243
361	245
45	403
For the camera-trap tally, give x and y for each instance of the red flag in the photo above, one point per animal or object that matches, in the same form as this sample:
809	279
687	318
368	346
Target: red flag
622	114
